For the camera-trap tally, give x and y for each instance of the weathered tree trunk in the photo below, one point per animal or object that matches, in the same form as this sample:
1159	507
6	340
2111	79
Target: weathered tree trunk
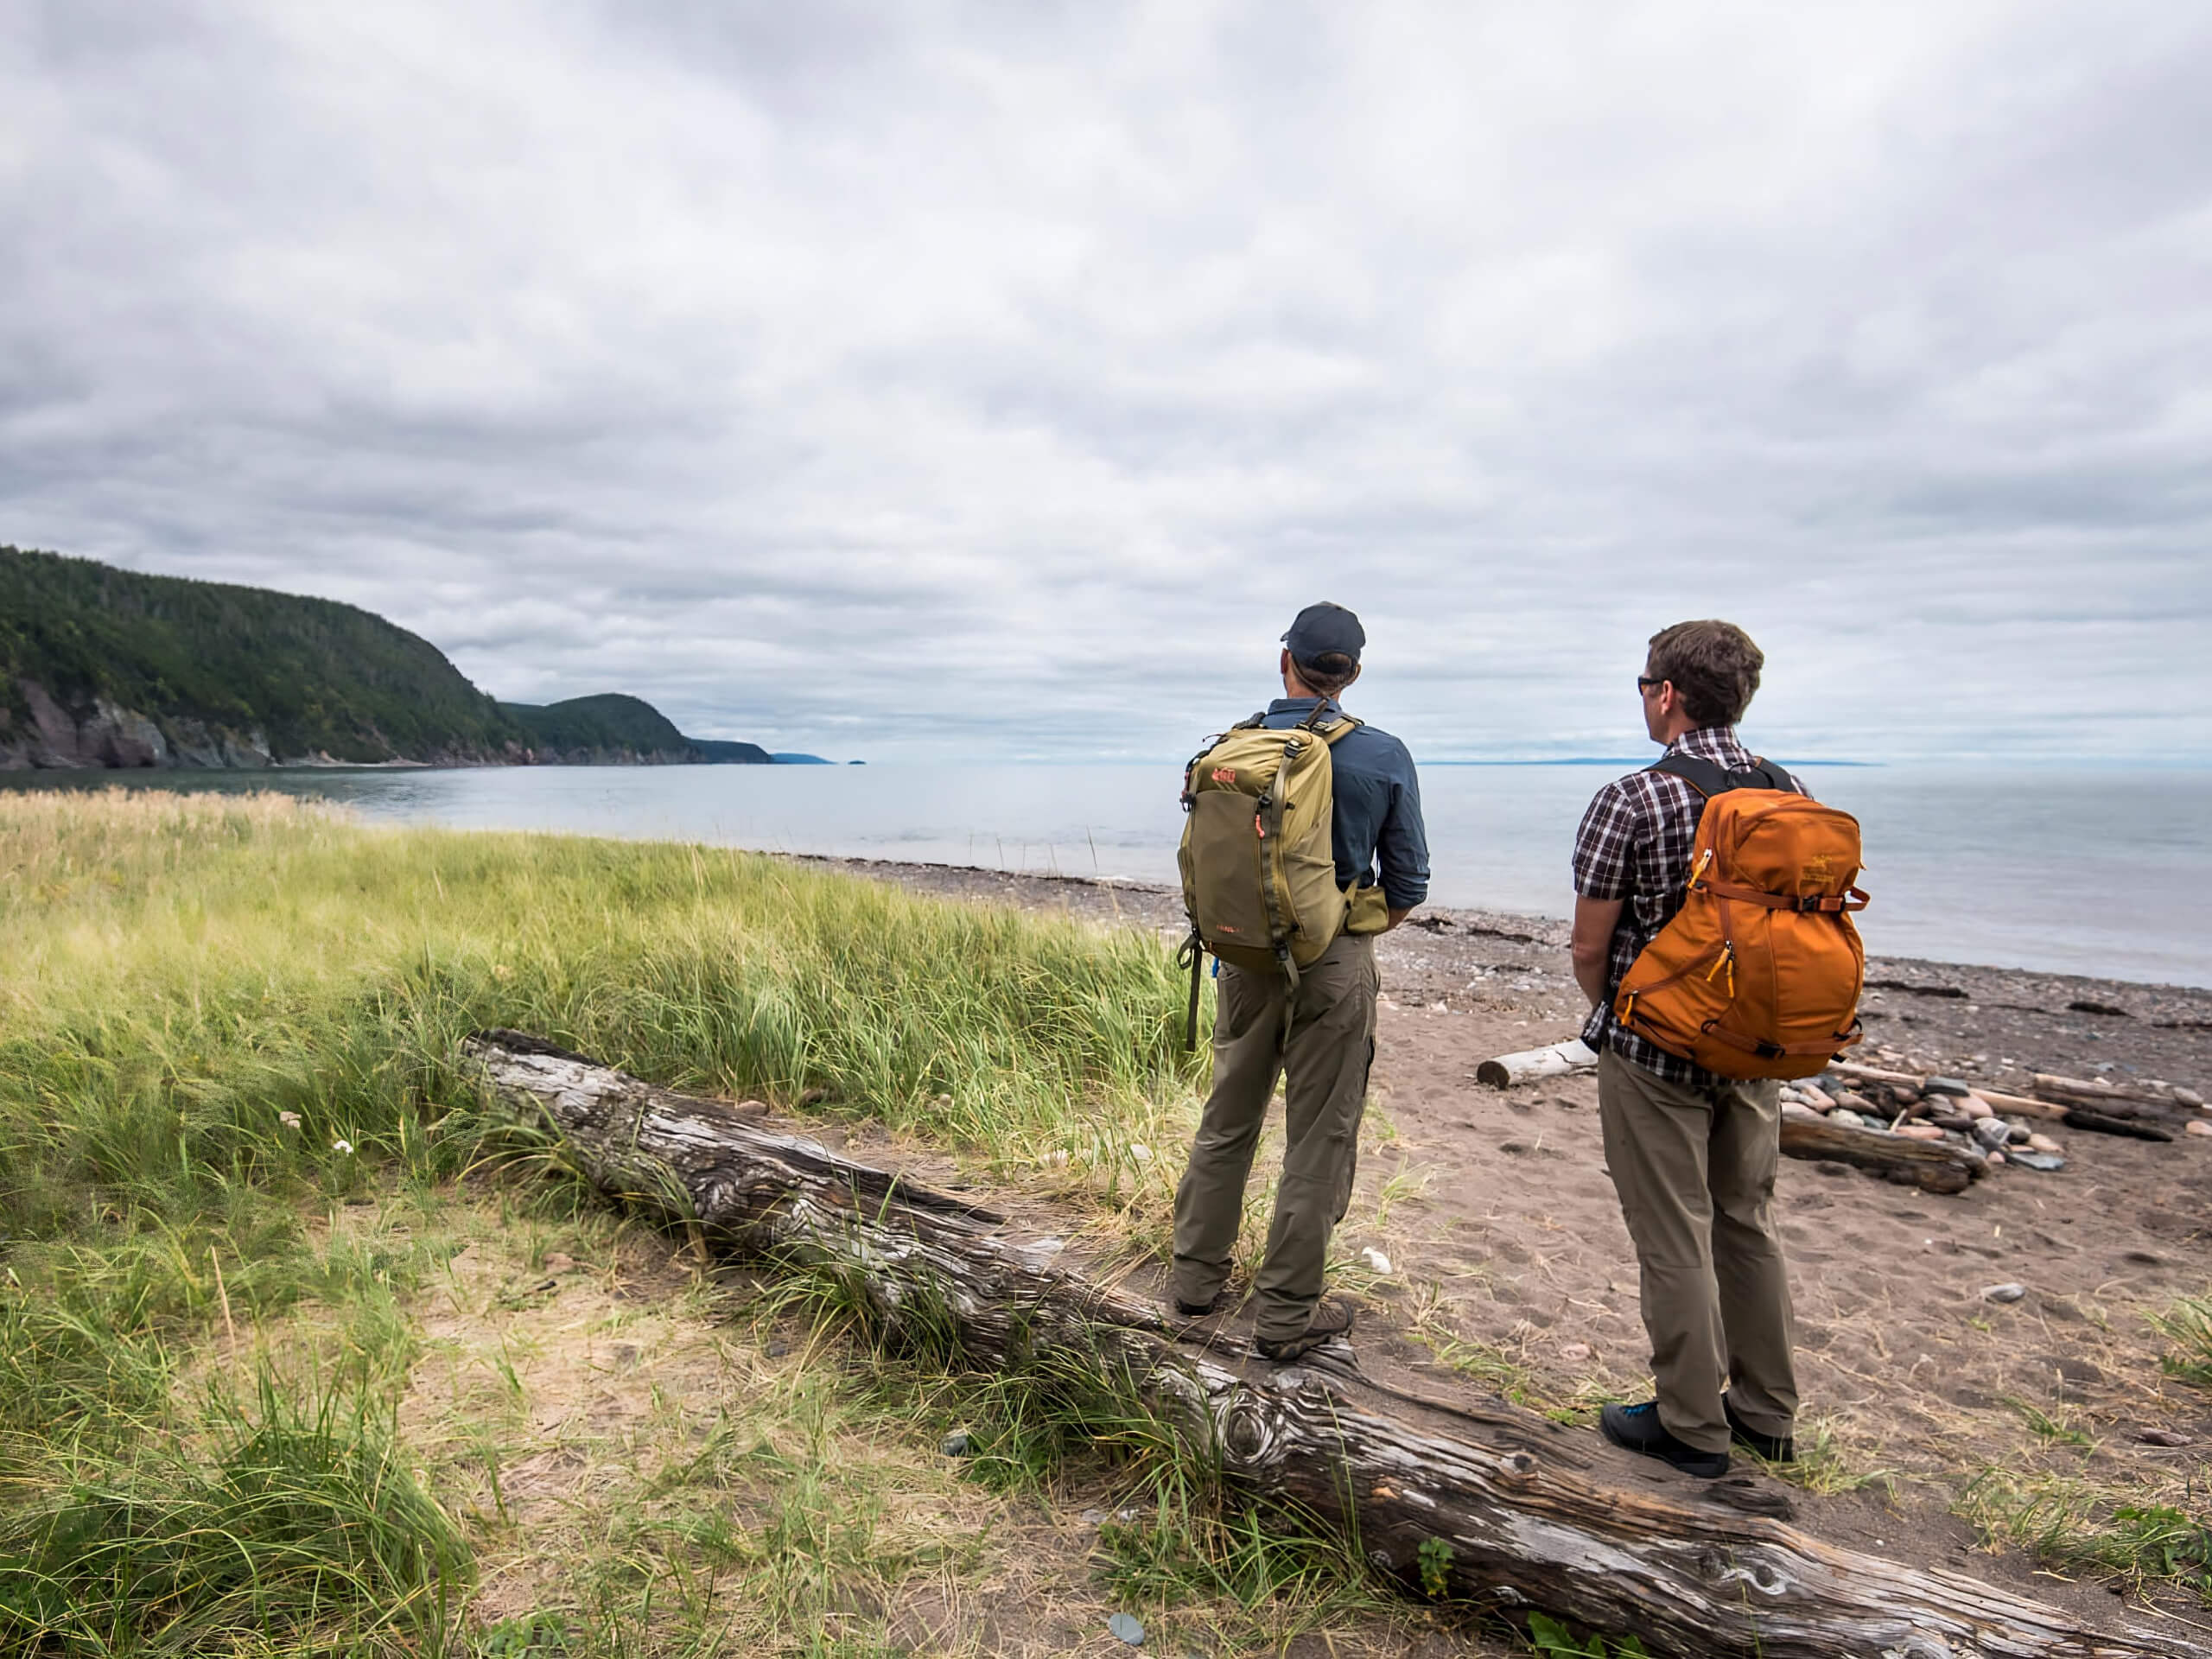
1933	1164
1534	1514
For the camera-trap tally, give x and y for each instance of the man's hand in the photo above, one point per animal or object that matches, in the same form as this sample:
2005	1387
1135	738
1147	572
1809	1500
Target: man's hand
1397	916
1594	922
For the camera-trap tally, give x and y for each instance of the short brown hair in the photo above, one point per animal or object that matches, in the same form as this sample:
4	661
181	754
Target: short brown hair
1714	665
1329	673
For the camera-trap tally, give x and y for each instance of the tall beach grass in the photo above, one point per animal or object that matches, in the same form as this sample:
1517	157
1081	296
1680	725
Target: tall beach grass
182	971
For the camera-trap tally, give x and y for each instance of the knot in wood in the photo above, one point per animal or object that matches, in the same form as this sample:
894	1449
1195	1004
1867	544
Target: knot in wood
1246	1429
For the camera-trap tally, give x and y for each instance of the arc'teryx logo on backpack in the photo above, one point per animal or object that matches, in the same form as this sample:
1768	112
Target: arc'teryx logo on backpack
1224	774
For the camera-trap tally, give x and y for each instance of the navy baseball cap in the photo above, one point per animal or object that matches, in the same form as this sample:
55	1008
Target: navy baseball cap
1324	628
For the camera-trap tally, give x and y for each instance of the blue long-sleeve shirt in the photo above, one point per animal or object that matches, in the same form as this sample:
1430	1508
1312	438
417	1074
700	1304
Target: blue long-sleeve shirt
1377	816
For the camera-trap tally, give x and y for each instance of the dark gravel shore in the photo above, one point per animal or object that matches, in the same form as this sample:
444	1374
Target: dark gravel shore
1997	1024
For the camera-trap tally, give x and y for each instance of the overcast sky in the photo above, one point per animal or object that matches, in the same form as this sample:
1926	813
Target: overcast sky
874	379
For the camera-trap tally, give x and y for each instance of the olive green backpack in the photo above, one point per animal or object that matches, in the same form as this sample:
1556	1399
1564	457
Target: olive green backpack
1258	861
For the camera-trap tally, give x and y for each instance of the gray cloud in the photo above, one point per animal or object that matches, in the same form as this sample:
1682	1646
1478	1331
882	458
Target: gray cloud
964	376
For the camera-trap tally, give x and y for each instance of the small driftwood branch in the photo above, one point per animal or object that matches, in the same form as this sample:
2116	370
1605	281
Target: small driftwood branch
2101	1088
1554	1060
1532	1514
1912	1080
2083	1117
2018	1105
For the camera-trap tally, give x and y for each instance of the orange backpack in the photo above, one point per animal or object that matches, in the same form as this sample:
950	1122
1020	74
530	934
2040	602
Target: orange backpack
1759	974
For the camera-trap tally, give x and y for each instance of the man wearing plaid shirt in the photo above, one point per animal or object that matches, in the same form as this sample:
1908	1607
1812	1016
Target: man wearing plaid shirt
1693	1155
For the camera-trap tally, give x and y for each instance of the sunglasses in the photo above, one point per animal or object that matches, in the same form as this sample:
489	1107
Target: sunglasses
1645	682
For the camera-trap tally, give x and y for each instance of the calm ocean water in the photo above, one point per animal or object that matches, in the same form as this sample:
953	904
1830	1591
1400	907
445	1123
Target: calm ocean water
2105	872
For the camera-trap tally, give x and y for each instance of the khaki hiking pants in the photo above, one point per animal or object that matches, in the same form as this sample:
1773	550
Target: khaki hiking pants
1695	1169
1331	1050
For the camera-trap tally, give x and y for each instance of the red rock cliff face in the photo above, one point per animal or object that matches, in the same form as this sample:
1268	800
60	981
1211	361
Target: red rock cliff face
44	733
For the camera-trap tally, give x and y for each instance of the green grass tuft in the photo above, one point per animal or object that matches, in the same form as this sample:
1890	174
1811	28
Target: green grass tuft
278	1521
2188	1325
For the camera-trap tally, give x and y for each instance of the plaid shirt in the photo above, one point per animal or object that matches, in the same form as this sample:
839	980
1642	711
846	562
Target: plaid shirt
1635	845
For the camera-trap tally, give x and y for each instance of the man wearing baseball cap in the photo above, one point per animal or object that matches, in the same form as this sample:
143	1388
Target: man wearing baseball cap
1325	1050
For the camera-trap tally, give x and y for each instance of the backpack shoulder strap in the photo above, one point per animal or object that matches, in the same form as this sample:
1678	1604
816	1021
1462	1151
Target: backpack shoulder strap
1708	777
1340	728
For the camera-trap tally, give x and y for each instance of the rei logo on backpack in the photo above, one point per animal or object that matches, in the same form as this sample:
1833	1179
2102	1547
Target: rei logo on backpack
1259	865
1759	974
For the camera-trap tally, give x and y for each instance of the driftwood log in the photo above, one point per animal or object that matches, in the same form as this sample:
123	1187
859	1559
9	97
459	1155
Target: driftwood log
1934	1165
1533	1515
1552	1060
2098	1091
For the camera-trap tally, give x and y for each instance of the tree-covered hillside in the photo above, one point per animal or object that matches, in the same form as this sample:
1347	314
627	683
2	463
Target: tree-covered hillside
311	675
595	726
610	721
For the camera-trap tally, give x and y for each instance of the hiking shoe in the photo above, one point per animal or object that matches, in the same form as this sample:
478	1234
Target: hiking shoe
1331	1318
1637	1428
1198	1310
1774	1448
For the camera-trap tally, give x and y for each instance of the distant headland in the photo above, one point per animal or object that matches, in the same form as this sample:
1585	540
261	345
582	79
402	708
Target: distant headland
101	667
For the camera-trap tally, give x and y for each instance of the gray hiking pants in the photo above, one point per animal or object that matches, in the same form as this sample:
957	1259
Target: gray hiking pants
1695	1169
1324	1066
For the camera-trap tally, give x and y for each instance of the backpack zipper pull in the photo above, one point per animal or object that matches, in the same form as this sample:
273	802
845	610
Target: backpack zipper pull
1727	959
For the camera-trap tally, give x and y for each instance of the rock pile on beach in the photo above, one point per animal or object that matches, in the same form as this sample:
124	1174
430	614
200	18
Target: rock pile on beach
2004	1128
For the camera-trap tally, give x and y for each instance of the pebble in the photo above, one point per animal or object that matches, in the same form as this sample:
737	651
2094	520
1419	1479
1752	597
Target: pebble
2200	1126
959	1444
2162	1437
2188	1096
1918	1132
1974	1106
1127	1628
1996	1157
2044	1161
1992	1132
1813	1095
1575	1352
1375	1259
2044	1143
2004	1292
1949	1086
1844	1115
1798	1108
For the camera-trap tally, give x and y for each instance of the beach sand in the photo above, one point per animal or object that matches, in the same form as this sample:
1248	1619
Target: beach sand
1510	1268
